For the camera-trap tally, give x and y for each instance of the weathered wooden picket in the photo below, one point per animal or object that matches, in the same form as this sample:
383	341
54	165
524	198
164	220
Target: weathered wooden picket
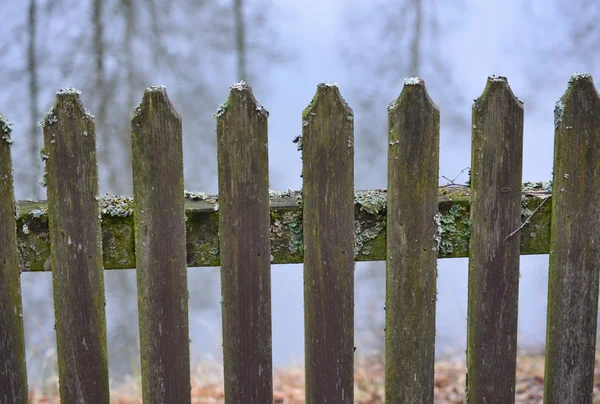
328	226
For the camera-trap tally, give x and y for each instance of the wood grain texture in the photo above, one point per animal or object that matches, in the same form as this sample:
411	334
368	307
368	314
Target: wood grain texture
13	372
328	227
412	226
496	171
245	248
76	250
160	245
574	247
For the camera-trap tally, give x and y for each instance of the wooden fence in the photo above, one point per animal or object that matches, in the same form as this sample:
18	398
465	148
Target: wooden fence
328	226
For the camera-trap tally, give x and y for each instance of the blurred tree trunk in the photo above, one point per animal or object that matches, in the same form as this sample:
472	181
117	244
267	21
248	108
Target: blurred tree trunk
100	82
34	115
415	45
240	39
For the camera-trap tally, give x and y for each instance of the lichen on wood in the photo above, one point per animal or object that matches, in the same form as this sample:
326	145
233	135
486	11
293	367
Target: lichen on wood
286	238
13	371
574	247
244	248
413	223
160	240
329	247
495	214
75	250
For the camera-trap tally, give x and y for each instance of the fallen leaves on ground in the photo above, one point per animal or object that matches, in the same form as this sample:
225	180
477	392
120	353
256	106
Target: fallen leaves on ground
288	384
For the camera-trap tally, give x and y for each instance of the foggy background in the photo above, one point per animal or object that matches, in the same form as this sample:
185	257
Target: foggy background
112	50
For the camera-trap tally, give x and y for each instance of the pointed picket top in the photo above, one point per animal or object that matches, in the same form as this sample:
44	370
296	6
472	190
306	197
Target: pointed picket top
241	95
495	86
411	248
414	89
329	246
71	174
495	213
574	246
68	100
326	92
155	98
580	89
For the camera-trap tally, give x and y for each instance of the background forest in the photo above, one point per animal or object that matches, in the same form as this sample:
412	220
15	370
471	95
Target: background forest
112	50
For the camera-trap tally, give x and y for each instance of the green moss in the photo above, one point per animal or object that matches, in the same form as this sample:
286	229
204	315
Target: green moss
6	129
286	228
373	202
455	229
202	238
287	243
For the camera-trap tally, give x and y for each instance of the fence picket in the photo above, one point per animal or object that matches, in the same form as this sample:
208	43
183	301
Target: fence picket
161	250
76	250
328	228
412	224
496	168
13	372
245	247
574	246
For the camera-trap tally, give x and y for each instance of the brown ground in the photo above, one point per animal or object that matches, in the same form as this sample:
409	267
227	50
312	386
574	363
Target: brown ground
207	387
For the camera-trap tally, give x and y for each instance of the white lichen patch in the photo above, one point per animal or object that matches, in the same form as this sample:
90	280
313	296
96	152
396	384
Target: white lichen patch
412	81
288	193
37	213
437	219
372	201
119	206
559	110
241	85
6	127
49	119
156	88
579	76
222	108
330	84
538	186
200	196
497	78
391	105
43	155
261	109
25	229
349	118
87	114
363	235
68	91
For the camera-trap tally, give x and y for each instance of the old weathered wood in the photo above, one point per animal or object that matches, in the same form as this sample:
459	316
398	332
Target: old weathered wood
156	137
412	227
328	226
245	247
13	372
76	250
286	229
574	247
496	171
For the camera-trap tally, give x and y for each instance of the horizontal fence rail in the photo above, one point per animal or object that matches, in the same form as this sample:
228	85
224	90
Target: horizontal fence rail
328	226
286	227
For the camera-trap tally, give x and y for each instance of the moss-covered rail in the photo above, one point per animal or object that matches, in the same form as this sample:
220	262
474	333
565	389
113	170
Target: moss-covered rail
286	227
